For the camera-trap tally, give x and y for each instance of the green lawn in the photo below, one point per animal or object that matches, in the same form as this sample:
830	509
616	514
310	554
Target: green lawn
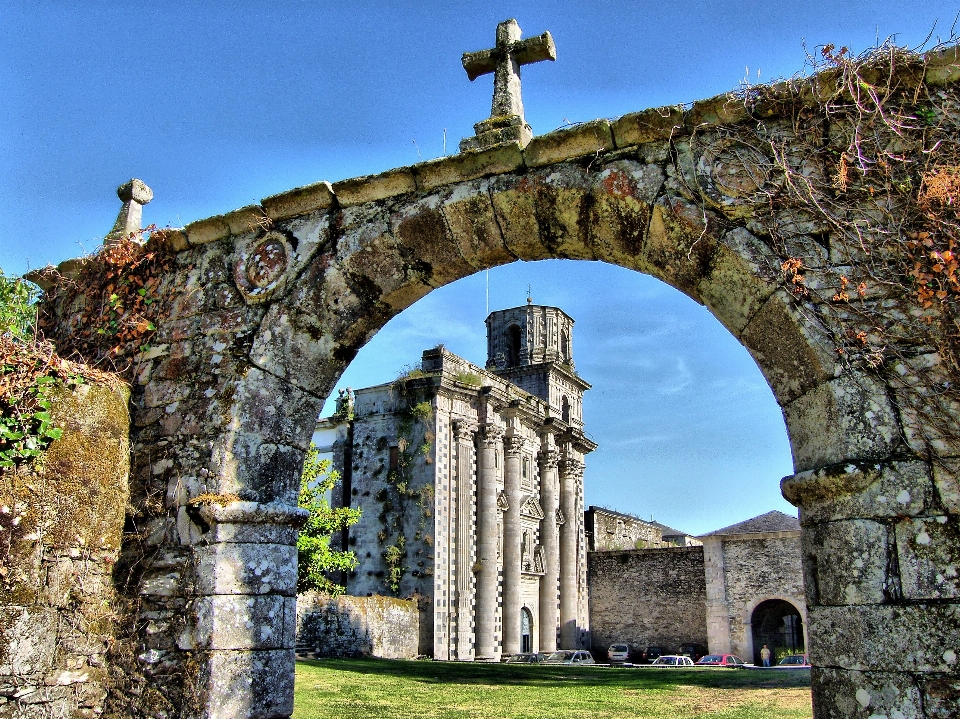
383	689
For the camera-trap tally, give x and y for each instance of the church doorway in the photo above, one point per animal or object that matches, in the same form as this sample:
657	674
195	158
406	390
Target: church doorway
526	631
777	624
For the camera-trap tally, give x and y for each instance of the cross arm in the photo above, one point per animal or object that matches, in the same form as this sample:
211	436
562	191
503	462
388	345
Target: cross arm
534	49
479	63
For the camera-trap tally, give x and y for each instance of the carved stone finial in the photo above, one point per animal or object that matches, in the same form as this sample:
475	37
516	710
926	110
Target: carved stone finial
134	195
506	122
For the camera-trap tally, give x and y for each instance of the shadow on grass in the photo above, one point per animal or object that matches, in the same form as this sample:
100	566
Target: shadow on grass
429	672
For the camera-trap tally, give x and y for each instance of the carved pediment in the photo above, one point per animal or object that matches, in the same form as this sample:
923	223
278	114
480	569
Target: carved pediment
502	504
531	508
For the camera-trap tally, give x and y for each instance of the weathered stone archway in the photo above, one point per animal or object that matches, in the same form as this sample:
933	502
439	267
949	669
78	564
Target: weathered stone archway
748	619
271	302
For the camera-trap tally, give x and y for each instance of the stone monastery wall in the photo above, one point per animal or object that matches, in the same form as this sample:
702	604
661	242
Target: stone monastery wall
346	626
647	597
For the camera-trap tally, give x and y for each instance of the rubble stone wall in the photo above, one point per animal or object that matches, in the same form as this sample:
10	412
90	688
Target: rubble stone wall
647	597
347	626
61	531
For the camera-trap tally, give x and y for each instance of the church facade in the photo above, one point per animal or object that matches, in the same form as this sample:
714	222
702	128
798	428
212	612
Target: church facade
470	482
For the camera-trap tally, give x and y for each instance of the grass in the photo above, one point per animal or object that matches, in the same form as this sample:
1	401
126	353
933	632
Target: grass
383	689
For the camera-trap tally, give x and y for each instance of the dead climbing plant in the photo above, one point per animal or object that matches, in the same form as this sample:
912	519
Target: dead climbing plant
868	167
117	302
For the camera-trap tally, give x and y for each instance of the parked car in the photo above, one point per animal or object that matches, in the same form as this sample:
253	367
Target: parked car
721	660
532	658
692	650
651	653
672	660
569	656
618	653
794	660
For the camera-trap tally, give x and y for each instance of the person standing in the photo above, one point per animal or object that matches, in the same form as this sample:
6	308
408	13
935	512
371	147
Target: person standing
765	655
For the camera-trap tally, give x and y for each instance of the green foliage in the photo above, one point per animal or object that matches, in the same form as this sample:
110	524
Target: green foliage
18	311
468	378
316	558
25	433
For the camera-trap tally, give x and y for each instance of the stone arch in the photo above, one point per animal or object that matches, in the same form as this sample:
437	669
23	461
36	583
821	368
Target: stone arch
747	619
263	321
370	262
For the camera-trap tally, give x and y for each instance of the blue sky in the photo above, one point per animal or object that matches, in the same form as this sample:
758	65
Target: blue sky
216	105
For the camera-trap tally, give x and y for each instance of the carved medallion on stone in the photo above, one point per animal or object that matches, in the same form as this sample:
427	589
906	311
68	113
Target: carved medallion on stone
735	175
261	271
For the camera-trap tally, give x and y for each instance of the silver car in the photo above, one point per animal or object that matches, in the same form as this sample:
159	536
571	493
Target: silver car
569	656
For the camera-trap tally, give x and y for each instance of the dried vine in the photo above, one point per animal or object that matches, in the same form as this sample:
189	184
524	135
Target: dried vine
857	196
114	303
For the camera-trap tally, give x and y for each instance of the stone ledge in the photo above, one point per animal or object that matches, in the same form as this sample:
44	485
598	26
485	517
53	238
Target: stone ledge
172	238
637	128
467	166
209	230
587	139
299	201
370	188
725	109
943	66
246	219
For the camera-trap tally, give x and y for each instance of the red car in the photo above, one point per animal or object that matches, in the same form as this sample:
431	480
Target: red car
721	660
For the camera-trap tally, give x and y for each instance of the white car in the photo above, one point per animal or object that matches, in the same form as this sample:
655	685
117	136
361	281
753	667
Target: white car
672	660
618	653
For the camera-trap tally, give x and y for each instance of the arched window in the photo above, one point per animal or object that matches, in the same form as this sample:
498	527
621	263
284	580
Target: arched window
565	409
564	346
513	335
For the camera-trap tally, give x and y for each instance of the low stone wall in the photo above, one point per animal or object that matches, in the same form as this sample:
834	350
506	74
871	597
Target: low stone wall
647	597
348	626
61	528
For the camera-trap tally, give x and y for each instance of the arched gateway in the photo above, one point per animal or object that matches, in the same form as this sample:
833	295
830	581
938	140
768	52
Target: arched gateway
268	305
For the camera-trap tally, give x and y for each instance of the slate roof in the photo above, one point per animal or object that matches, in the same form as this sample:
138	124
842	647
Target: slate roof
770	522
666	531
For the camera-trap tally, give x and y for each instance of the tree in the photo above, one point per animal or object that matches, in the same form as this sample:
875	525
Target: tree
316	558
18	313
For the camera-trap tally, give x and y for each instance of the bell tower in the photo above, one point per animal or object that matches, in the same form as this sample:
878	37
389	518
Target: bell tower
532	346
529	335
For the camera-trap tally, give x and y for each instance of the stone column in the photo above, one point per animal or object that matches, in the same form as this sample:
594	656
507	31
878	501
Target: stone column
570	470
244	612
550	541
463	564
512	537
487	515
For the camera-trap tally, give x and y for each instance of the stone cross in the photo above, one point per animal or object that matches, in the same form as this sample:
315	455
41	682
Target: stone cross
506	122
134	194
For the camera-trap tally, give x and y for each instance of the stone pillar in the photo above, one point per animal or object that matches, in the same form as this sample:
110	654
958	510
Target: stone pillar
880	548
718	615
512	537
487	516
550	541
245	610
466	553
570	469
134	194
